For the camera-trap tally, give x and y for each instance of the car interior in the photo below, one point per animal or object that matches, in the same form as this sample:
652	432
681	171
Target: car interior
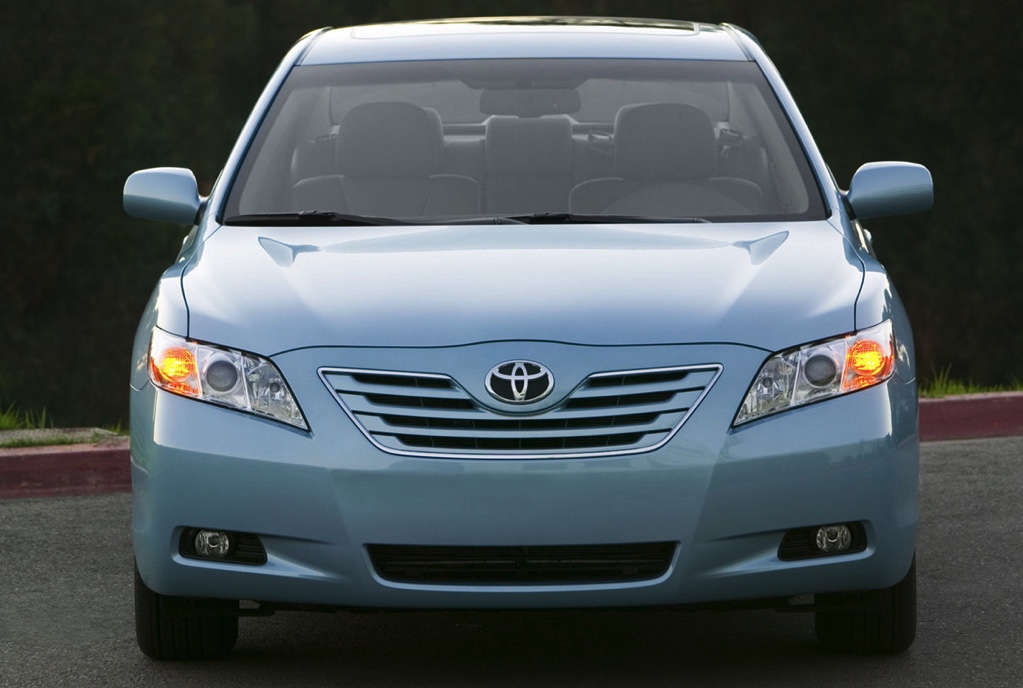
397	151
394	159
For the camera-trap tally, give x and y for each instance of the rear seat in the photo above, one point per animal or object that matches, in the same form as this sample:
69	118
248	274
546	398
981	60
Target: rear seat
394	160
529	164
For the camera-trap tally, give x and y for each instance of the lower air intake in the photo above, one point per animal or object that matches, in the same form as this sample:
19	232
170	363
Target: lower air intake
561	564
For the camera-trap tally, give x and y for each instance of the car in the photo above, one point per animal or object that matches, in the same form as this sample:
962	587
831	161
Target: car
534	312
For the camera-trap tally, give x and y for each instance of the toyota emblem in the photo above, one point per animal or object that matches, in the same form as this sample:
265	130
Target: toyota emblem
519	382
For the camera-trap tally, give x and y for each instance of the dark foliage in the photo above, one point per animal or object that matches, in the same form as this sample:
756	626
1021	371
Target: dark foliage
104	88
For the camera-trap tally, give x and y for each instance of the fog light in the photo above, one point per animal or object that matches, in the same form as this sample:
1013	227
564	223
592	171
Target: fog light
833	538
216	543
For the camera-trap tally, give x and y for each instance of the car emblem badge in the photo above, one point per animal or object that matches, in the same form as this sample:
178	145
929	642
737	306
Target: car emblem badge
519	382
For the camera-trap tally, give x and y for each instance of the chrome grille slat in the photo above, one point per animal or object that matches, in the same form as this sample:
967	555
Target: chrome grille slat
607	413
424	402
512	433
610	401
420	416
597	388
561	414
482	422
353	386
482	445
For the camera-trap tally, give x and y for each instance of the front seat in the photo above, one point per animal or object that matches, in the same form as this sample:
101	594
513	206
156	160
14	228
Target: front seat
388	158
665	157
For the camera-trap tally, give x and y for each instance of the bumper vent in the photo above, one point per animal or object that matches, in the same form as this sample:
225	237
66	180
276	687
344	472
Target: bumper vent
522	565
432	415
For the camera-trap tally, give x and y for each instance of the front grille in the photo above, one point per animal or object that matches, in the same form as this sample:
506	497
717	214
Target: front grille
522	565
432	415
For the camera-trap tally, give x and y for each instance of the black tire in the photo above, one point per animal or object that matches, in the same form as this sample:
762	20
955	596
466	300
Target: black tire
869	622
181	628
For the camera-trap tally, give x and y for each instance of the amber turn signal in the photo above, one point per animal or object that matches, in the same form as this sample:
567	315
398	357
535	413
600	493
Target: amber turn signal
867	362
175	369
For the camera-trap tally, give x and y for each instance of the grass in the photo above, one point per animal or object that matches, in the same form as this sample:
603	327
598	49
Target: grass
13	419
23	442
942	384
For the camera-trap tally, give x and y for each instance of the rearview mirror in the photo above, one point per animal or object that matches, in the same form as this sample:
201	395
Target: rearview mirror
529	102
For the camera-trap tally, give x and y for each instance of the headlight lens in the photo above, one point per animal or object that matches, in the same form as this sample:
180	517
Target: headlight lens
817	371
222	376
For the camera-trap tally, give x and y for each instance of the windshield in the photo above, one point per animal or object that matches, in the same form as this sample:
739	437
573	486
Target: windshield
435	141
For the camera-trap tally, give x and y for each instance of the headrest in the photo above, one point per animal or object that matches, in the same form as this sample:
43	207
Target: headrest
664	141
390	139
518	146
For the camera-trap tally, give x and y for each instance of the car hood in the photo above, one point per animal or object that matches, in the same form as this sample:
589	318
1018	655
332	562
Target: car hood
269	290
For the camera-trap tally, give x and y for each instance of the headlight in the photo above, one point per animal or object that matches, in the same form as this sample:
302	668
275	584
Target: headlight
222	376
818	371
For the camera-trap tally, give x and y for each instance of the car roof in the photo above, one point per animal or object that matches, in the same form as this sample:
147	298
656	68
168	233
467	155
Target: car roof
525	37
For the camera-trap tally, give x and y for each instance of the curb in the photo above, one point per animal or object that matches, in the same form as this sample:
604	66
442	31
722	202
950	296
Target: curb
90	469
65	470
971	416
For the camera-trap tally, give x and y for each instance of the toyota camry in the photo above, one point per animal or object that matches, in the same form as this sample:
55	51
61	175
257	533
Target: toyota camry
535	312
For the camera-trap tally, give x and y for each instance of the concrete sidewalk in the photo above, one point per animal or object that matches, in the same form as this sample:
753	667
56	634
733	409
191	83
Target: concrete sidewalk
101	467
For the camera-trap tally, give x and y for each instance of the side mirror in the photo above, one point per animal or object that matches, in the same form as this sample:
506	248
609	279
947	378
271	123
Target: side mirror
890	188
165	194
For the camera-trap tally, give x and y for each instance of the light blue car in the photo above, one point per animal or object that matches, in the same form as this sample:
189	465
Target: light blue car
525	313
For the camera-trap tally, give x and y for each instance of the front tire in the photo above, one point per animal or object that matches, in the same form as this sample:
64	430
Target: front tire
869	622
180	628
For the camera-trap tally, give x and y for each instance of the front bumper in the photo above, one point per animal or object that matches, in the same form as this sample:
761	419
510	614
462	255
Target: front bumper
725	496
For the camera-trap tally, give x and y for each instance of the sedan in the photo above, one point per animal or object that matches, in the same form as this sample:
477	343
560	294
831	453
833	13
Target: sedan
537	312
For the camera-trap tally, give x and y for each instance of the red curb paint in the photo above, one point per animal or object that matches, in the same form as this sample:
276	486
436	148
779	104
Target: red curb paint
65	470
971	416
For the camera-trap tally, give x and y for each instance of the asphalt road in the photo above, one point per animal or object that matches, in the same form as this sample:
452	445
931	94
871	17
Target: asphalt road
66	614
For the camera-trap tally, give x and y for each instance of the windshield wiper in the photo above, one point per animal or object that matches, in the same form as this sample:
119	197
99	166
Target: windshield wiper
483	220
330	218
315	218
580	219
